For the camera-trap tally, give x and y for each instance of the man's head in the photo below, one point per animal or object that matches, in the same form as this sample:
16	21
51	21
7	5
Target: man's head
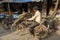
35	8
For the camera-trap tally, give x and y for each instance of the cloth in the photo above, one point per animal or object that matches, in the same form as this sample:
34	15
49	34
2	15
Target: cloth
37	17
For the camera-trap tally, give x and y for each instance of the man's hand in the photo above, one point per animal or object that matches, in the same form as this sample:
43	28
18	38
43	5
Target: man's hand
29	19
13	25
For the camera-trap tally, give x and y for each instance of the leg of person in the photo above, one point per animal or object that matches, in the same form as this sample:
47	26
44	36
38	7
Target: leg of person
32	26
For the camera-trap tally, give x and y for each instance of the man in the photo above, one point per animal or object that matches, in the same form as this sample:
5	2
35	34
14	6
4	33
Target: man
36	19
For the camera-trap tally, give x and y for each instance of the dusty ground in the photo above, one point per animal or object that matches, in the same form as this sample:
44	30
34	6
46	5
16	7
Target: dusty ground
5	35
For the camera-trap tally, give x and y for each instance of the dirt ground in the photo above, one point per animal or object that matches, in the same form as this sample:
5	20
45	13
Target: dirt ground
6	35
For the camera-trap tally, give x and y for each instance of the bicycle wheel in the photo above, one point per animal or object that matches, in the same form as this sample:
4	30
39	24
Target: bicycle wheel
41	31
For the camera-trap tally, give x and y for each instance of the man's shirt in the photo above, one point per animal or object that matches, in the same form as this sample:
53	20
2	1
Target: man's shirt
37	17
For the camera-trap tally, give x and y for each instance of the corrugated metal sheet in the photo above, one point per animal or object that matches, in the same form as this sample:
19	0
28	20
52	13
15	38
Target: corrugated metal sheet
25	0
22	1
19	1
37	0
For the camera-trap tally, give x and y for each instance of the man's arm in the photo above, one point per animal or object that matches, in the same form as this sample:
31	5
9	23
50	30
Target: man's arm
33	17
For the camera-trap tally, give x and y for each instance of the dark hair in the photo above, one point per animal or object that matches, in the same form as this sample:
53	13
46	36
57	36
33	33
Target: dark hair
35	8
